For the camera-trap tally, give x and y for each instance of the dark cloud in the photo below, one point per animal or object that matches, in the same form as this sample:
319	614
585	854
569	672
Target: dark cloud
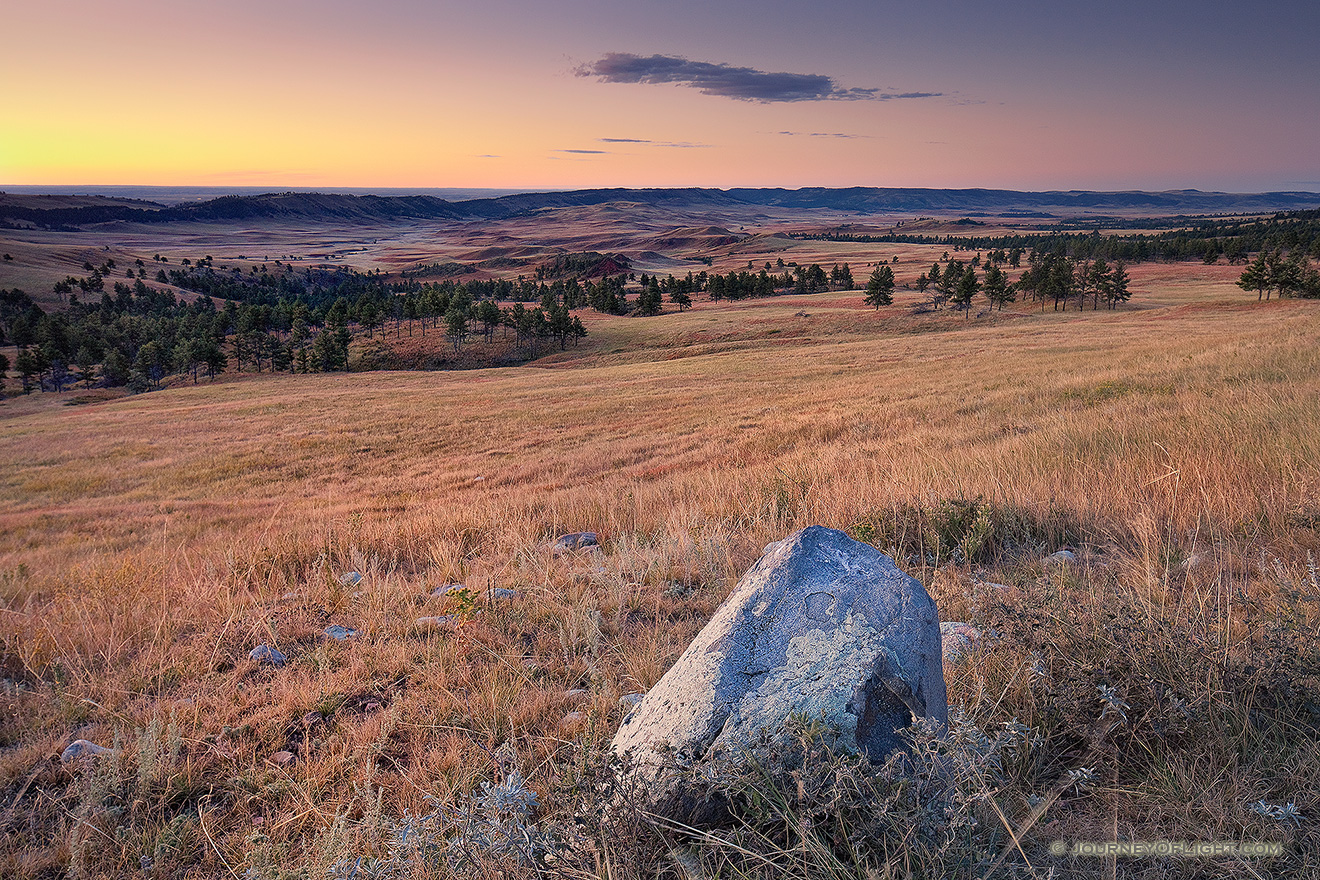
591	152
740	83
624	141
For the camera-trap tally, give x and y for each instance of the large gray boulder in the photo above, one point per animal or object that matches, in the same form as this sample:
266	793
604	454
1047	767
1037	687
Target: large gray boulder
821	625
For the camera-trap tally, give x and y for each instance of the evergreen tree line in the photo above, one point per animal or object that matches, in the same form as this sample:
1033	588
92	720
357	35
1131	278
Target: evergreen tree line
1291	275
1048	277
1208	240
794	279
139	334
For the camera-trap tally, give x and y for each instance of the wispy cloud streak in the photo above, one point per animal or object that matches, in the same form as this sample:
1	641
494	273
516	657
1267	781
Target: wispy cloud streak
678	145
823	134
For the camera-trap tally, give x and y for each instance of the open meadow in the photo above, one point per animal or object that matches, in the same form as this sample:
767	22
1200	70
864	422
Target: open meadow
659	441
148	543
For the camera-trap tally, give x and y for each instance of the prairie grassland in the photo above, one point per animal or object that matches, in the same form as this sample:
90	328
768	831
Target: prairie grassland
147	544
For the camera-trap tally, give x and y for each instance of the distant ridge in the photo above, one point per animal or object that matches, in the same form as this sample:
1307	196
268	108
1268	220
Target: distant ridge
56	212
875	199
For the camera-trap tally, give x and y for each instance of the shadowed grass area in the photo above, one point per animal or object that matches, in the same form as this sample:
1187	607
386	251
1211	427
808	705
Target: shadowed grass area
147	544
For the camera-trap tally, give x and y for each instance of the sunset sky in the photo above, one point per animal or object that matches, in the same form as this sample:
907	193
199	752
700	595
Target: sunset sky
578	93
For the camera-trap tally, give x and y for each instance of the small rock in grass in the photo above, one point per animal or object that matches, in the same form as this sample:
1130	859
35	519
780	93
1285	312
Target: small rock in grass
448	590
282	758
957	638
340	633
440	620
312	718
572	719
82	748
1061	557
499	593
679	590
991	585
350	578
267	654
628	702
575	692
574	541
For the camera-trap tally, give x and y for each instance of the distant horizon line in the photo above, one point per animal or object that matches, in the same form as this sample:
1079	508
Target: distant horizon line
1308	187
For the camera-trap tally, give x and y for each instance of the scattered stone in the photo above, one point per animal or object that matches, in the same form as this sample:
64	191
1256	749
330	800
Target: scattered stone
81	748
440	620
282	758
572	719
801	315
340	633
628	702
313	718
679	590
575	692
499	593
1061	557
574	541
350	578
448	590
957	639
822	626
267	654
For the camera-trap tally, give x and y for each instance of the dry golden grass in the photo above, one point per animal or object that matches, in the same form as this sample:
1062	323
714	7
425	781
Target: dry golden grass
147	544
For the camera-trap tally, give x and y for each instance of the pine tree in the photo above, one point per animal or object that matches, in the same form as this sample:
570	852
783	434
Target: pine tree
846	277
456	327
880	287
1099	279
649	302
27	367
1117	289
997	289
964	290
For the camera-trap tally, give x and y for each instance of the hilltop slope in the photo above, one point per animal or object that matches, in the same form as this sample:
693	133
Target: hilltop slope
51	211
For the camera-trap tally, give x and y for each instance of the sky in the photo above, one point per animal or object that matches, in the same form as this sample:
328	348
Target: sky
1032	95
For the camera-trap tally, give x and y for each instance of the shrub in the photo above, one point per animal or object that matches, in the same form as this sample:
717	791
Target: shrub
965	530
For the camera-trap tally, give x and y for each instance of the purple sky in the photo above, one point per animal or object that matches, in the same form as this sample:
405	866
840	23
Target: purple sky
514	93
